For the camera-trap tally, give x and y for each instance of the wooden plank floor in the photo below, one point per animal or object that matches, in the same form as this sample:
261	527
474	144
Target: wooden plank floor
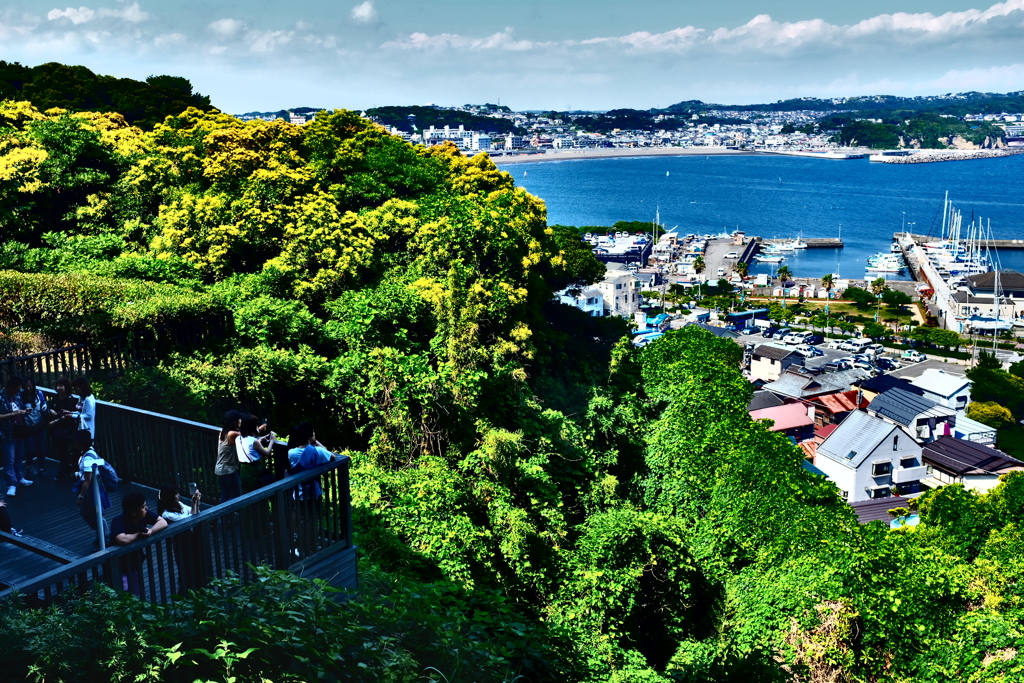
48	511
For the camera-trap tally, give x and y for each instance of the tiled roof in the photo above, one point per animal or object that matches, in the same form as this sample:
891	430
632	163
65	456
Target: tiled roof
883	383
776	352
905	408
1008	280
841	402
877	510
797	384
963	457
856	436
763	399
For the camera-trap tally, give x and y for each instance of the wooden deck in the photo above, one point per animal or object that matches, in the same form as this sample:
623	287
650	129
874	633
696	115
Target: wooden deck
264	527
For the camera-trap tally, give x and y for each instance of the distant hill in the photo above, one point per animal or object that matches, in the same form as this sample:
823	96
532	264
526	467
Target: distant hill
432	116
956	104
76	88
283	113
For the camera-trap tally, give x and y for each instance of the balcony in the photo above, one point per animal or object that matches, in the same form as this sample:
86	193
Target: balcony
903	475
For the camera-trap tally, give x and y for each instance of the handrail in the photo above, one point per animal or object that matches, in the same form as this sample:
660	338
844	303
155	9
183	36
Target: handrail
269	526
20	542
155	449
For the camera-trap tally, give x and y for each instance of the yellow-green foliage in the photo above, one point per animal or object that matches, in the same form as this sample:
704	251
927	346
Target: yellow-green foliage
990	413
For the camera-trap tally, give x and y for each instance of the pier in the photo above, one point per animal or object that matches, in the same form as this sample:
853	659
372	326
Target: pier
921	239
813	242
836	156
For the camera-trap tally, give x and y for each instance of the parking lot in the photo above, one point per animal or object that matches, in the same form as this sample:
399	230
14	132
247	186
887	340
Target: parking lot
828	355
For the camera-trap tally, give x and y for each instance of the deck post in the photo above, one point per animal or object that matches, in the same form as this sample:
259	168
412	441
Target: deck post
97	502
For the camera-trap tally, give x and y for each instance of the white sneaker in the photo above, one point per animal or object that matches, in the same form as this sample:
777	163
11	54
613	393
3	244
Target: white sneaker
25	482
12	490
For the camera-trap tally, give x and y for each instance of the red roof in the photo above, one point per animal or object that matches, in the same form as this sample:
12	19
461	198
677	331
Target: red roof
841	402
821	433
787	416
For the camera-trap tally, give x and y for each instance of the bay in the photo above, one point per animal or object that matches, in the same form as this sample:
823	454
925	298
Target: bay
778	196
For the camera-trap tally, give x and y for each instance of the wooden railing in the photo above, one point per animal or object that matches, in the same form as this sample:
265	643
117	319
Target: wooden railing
157	450
115	355
272	526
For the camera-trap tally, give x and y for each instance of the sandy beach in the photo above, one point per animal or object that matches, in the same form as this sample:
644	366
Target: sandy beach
615	153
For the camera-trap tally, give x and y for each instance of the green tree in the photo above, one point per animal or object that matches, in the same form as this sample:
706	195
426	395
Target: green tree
828	281
990	413
947	339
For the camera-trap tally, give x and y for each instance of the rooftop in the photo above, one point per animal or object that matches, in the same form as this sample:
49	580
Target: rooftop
775	352
1008	280
883	383
906	408
789	416
857	435
763	399
717	331
796	383
842	402
964	458
940	382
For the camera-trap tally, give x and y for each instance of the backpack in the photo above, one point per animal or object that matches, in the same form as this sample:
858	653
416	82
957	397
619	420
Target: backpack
108	475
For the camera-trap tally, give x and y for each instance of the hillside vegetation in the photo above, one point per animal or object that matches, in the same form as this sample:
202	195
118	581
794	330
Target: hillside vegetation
534	498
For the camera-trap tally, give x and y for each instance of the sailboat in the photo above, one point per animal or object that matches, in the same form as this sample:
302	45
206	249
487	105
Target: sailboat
666	174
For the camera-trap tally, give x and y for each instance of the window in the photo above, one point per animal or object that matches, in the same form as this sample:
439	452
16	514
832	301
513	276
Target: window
895	443
844	495
882	492
908	462
618	286
880	469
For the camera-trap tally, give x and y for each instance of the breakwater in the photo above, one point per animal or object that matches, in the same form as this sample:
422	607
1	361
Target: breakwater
951	155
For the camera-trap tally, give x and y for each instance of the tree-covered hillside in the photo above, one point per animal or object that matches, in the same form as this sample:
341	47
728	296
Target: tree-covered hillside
534	498
959	104
425	117
78	89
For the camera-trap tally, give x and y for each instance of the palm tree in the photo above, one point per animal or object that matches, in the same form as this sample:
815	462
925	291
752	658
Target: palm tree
784	274
698	264
878	288
741	268
828	282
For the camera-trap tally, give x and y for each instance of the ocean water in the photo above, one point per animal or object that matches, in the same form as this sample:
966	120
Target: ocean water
777	196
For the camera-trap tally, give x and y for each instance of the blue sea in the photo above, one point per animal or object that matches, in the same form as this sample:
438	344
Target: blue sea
777	196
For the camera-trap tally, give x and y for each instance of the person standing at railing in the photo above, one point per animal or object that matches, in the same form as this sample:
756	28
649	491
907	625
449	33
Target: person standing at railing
12	414
306	453
81	445
170	507
62	425
86	405
33	399
135	523
227	465
257	451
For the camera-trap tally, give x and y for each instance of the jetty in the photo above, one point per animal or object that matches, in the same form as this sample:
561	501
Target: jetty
812	242
836	156
921	239
932	156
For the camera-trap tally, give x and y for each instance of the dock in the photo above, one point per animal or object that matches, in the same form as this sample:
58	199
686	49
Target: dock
812	242
921	239
836	156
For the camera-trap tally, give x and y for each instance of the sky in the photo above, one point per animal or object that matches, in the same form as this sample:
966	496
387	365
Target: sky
532	54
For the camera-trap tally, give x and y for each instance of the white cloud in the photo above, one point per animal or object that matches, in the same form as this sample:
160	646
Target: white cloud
132	13
75	16
502	40
226	27
364	13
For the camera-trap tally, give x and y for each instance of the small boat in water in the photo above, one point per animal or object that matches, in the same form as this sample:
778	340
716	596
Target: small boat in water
769	258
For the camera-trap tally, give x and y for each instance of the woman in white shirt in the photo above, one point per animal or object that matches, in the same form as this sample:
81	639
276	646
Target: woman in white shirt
170	507
86	405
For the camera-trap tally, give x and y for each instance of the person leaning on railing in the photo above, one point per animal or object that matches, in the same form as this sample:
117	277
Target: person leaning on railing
226	468
186	546
135	523
11	412
259	450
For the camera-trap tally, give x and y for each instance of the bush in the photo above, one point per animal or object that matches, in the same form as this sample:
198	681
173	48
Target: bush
990	413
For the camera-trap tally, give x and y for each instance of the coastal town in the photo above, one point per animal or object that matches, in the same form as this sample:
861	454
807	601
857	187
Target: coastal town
879	407
539	133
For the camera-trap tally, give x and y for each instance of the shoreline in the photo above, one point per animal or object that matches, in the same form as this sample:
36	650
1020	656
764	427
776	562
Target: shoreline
618	153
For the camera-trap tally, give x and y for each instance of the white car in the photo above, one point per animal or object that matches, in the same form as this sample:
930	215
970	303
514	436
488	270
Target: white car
914	356
732	254
808	351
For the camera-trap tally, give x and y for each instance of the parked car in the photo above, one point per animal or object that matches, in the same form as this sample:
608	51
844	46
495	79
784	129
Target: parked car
808	351
837	345
769	332
913	356
888	364
863	365
875	350
814	339
732	254
782	333
837	365
751	330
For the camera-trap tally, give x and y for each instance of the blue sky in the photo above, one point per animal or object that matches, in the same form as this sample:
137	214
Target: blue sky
533	54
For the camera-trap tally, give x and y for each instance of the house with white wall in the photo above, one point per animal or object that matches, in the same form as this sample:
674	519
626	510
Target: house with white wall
590	300
621	292
769	361
945	388
867	457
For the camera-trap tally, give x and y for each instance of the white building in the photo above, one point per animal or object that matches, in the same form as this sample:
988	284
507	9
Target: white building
769	361
621	292
589	300
481	142
866	457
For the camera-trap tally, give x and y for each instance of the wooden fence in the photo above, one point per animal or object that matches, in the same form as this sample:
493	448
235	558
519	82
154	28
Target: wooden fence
113	356
275	526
